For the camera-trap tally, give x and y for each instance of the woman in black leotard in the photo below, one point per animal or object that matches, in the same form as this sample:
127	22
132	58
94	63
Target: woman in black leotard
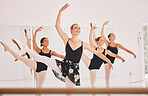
95	63
113	47
41	67
74	48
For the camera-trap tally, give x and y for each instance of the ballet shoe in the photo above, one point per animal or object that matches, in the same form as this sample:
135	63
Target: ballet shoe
18	44
25	30
5	46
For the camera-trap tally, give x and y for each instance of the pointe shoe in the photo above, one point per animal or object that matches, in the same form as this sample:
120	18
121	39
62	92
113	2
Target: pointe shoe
5	46
18	44
25	30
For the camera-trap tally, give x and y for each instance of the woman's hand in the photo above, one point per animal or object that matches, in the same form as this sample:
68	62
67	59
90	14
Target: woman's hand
106	23
110	65
123	60
93	28
134	56
64	7
39	29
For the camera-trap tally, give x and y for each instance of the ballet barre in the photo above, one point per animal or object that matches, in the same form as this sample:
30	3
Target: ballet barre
73	91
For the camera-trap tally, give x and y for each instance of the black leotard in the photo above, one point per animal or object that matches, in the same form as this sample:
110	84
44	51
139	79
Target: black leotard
73	55
41	66
113	50
96	61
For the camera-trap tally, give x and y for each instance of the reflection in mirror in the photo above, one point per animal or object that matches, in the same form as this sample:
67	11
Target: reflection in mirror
145	37
14	73
19	75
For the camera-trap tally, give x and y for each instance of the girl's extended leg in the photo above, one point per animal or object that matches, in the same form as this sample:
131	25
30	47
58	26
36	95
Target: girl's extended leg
30	63
50	62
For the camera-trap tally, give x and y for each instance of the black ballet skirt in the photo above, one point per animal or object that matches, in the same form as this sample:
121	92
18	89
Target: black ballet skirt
70	65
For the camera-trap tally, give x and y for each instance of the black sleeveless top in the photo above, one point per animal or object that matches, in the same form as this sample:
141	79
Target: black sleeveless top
113	50
46	54
41	66
73	55
96	61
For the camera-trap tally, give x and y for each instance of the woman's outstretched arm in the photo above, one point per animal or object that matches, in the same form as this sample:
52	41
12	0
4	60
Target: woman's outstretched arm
90	37
58	27
35	46
57	55
102	33
114	55
125	49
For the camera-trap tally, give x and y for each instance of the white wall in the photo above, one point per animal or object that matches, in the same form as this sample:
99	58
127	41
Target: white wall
125	18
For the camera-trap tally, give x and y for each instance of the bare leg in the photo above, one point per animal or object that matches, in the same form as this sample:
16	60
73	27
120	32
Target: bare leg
93	76
30	63
69	84
86	60
107	76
